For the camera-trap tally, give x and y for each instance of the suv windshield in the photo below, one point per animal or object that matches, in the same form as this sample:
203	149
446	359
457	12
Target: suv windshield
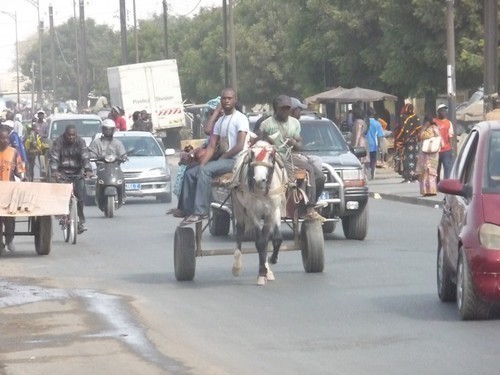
321	136
140	146
84	127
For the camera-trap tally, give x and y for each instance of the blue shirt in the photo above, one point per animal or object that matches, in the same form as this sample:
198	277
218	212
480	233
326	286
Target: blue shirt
375	131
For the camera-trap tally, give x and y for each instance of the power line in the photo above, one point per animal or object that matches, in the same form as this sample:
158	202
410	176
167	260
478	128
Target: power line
188	13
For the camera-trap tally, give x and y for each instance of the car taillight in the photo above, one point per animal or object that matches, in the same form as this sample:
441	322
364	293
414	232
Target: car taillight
489	236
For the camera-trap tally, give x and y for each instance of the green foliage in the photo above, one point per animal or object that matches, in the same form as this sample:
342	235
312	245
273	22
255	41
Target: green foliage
298	47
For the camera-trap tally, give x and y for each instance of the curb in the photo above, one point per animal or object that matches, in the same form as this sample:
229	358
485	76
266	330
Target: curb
410	200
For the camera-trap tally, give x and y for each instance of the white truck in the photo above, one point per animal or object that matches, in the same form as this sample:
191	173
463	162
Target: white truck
152	86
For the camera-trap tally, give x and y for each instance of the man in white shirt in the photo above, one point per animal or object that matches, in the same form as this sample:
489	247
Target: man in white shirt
229	134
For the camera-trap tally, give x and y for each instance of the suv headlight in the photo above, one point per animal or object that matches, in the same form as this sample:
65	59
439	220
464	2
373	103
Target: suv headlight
489	236
353	177
155	172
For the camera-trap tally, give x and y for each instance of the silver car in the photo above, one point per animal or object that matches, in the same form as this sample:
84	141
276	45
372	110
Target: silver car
87	126
147	173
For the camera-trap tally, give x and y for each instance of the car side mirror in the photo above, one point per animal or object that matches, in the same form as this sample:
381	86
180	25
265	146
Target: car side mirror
455	187
359	151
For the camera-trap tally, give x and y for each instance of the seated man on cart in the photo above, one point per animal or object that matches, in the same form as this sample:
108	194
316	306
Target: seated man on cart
289	142
229	134
11	165
69	161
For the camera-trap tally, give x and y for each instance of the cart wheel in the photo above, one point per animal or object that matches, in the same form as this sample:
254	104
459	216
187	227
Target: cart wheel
109	210
73	220
43	234
184	254
312	244
220	222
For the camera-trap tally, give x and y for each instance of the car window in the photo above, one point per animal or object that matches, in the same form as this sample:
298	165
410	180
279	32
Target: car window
492	182
321	136
467	163
459	165
84	127
141	146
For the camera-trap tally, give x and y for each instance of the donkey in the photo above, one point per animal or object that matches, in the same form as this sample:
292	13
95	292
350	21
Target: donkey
259	185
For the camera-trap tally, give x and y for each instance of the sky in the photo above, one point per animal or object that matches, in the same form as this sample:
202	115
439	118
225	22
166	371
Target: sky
103	11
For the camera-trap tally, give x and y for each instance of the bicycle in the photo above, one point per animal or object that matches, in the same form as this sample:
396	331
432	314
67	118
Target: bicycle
69	222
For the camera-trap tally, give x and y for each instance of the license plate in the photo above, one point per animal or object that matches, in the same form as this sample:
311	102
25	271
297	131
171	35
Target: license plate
324	196
134	186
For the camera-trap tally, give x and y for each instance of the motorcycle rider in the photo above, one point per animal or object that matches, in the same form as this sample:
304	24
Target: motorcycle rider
106	144
69	156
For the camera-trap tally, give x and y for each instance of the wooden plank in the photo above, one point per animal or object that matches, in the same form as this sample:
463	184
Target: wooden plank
34	198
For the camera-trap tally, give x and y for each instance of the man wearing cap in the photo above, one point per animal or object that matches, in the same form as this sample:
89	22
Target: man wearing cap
15	141
447	136
288	130
40	123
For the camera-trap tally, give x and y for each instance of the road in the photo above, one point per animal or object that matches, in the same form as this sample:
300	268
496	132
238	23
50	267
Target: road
111	305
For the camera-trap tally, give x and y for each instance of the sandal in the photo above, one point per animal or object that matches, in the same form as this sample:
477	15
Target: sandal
192	219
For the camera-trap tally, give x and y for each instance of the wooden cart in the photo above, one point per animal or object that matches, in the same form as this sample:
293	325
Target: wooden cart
34	203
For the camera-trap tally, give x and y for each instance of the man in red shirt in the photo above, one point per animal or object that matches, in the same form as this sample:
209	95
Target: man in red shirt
447	135
117	117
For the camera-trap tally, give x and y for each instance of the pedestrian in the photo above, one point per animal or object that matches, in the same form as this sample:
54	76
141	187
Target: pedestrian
408	136
359	130
375	135
230	135
41	123
117	117
11	166
428	159
447	136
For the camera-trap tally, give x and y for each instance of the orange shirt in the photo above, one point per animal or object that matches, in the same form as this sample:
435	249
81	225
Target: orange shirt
10	163
446	129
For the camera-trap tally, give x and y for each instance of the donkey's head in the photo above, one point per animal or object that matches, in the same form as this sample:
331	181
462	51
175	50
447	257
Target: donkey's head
261	168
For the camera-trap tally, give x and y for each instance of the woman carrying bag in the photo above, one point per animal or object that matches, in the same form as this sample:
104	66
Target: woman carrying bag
428	156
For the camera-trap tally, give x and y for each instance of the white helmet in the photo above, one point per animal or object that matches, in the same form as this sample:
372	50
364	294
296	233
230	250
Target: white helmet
108	123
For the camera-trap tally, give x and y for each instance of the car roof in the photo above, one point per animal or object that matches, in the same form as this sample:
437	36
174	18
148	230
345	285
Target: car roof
492	125
73	116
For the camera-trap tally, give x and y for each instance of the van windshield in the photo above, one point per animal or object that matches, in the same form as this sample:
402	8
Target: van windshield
84	127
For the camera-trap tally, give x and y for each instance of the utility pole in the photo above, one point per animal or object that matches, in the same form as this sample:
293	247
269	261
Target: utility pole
490	53
135	35
52	50
226	64
165	28
78	76
123	31
83	56
32	70
234	83
450	68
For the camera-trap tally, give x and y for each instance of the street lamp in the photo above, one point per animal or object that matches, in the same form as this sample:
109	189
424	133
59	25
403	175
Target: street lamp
36	4
14	17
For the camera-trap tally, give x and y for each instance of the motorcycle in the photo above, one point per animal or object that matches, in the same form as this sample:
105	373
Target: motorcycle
110	184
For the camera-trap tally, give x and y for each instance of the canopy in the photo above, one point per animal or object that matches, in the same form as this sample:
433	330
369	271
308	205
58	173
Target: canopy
360	94
325	96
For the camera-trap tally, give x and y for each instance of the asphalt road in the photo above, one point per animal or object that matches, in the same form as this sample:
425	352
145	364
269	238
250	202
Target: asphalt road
111	305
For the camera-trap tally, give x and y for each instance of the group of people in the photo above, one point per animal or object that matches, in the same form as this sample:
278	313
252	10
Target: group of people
414	162
69	161
228	135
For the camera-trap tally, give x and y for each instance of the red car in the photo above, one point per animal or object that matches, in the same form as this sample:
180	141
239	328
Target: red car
468	257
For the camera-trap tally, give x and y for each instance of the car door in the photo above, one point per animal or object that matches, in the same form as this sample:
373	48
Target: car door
458	206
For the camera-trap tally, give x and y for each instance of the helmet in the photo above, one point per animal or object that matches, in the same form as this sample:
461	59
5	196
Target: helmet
108	123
